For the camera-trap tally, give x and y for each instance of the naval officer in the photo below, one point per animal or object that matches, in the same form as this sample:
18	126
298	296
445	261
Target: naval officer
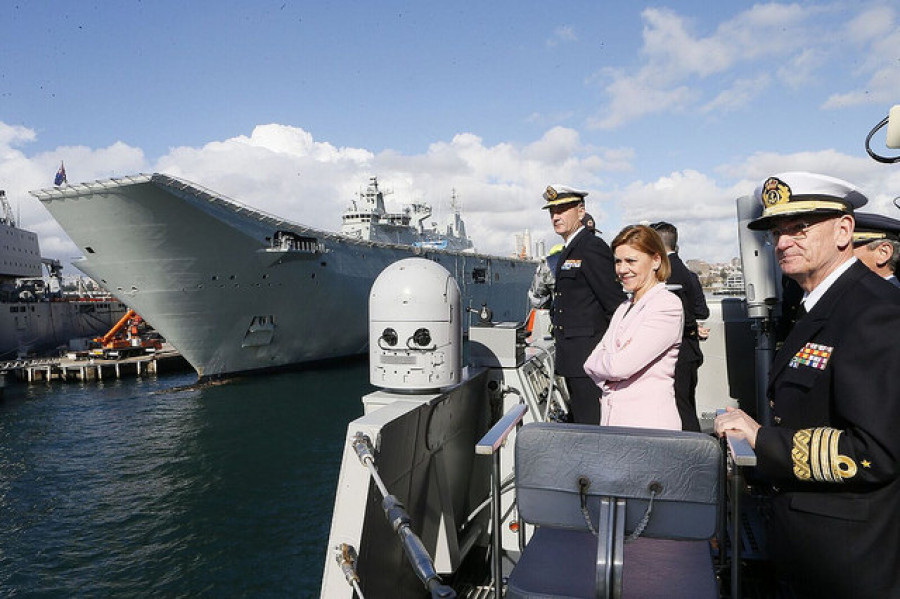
876	242
832	454
586	294
690	356
540	294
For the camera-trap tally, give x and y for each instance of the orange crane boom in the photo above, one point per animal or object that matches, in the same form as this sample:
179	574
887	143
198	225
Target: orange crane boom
123	322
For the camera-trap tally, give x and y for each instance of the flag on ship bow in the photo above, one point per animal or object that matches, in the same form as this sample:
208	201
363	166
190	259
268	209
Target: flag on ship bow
60	175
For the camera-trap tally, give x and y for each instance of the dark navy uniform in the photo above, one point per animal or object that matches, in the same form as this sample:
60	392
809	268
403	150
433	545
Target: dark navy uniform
871	236
690	357
586	295
833	454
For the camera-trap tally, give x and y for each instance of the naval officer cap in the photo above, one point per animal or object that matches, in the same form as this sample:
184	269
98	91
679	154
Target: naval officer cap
799	193
556	195
872	227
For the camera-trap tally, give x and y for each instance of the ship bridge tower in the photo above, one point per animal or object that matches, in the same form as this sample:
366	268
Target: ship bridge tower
359	218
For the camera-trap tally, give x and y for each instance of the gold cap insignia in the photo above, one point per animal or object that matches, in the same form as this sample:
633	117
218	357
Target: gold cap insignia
775	191
551	193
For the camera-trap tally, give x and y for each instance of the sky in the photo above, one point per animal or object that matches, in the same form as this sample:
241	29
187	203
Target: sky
661	111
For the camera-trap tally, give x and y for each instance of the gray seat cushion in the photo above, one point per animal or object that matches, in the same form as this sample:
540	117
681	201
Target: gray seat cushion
653	568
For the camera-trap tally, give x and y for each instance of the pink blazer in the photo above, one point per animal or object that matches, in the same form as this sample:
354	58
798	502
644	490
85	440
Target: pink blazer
634	363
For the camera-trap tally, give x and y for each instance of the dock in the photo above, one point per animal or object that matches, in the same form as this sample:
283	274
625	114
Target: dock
91	368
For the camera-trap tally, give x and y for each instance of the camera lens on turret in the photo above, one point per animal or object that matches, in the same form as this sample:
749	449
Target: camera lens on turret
390	337
422	337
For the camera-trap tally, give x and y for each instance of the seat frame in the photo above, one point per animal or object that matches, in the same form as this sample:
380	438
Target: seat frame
621	465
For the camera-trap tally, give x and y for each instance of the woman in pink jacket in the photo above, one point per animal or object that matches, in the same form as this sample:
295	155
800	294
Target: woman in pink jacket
634	363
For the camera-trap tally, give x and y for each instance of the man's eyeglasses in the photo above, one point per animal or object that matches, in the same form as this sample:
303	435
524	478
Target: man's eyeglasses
795	231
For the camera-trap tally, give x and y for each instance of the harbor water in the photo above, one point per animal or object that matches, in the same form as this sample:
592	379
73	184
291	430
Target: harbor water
157	487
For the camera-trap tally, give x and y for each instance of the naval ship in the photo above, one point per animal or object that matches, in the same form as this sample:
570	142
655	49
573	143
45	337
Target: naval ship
477	488
236	290
34	319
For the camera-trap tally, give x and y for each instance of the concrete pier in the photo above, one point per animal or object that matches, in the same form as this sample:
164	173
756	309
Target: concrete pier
91	369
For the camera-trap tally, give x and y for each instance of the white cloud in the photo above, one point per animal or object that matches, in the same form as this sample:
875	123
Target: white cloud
672	53
700	207
676	63
801	69
561	35
877	34
13	135
284	171
20	173
872	25
741	93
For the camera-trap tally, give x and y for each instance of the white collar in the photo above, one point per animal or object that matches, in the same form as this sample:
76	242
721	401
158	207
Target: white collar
810	299
573	235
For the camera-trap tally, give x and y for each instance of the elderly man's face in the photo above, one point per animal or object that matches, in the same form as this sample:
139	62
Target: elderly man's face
809	248
566	218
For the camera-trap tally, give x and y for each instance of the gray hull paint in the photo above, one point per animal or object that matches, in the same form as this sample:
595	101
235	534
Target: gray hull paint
35	327
201	270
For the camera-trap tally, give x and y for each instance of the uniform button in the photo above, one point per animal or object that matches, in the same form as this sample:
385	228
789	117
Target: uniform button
776	420
771	404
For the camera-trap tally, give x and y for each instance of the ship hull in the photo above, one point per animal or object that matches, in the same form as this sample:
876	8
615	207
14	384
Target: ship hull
203	272
33	328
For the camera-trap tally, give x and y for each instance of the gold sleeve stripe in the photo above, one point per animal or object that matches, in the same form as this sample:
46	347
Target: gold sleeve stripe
815	456
800	454
824	463
842	467
830	455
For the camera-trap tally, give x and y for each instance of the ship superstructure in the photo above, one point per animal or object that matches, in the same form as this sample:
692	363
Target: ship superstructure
236	290
367	219
34	317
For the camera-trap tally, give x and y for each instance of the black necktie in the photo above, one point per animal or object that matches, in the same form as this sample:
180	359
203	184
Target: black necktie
801	312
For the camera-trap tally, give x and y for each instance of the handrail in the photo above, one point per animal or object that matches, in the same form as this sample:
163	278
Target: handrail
489	445
496	437
741	454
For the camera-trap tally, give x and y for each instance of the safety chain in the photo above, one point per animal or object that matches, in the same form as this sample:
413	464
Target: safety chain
584	484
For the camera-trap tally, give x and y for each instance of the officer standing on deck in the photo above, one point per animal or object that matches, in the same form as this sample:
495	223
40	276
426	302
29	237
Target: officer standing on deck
540	294
585	296
832	455
690	357
876	242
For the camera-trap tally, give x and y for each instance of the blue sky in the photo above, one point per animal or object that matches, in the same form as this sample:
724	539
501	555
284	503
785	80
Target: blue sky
662	111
